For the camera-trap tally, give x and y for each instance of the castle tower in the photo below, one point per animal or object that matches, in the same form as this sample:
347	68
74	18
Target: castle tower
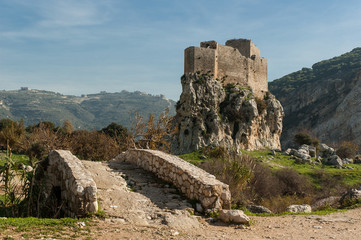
237	62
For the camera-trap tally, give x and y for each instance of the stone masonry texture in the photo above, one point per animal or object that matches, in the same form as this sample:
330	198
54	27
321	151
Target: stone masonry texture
238	61
78	189
192	181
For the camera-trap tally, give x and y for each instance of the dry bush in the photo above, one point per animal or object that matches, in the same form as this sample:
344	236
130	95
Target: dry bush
215	152
292	183
263	185
12	134
153	134
233	170
44	134
94	145
347	150
261	105
276	189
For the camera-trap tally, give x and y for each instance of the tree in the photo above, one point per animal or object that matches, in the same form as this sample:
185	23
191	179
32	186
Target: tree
68	127
153	134
305	138
118	133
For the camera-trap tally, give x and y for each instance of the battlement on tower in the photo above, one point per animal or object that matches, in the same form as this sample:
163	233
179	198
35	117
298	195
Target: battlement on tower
238	62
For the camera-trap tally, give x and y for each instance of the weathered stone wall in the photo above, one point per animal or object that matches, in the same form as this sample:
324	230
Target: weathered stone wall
78	189
200	59
245	46
194	182
239	61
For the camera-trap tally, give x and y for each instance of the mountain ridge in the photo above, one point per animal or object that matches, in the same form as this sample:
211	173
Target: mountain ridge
91	111
314	99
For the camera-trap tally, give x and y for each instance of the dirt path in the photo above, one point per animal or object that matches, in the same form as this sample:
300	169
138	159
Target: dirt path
140	206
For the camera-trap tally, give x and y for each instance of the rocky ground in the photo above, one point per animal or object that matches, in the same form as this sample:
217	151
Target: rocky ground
140	206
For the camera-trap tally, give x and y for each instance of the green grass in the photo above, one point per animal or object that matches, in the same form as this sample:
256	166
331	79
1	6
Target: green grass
42	227
319	212
349	177
18	158
194	157
31	221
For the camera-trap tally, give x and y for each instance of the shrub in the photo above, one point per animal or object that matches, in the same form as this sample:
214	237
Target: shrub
233	170
305	138
347	150
215	152
292	183
96	146
261	105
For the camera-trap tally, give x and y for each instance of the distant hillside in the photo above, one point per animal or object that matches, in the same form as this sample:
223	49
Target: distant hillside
325	100
88	111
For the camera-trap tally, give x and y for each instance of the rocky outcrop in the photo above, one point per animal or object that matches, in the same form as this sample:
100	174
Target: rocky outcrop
209	113
324	100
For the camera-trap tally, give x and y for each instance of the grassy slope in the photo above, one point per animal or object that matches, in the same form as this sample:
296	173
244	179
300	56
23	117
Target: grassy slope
350	177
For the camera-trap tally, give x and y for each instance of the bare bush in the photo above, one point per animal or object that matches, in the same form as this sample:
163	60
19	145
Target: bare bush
233	170
94	145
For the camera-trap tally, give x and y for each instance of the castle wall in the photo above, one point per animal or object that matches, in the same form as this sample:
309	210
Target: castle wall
199	59
246	47
231	65
238	62
257	76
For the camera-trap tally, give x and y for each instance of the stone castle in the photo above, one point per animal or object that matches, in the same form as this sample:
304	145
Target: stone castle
238	62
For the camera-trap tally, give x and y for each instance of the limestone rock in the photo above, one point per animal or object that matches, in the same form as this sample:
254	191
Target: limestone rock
288	151
304	208
357	159
303	154
331	201
347	161
326	151
210	114
350	197
258	209
233	216
333	160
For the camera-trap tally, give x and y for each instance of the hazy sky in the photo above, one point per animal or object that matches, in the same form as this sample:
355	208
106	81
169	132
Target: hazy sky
87	46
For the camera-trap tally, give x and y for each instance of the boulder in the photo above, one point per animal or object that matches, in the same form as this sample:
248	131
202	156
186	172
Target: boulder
303	154
304	208
333	160
332	201
351	197
312	151
289	151
347	161
357	159
258	209
326	151
233	216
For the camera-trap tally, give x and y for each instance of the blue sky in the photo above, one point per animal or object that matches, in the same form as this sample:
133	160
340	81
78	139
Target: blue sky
87	46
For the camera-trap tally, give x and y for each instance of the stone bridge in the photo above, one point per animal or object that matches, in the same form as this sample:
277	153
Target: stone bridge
67	175
192	181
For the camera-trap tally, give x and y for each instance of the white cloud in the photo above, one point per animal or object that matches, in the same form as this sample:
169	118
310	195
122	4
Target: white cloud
67	13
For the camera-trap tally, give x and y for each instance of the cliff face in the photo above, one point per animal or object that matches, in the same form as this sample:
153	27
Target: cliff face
324	100
209	114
